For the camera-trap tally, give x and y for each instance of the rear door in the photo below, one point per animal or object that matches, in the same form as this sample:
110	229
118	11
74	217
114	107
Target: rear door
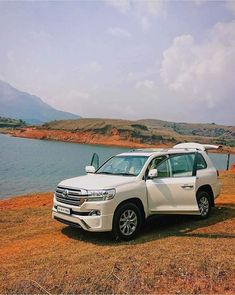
174	190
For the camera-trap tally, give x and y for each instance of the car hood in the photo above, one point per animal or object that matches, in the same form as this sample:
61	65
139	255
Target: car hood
96	181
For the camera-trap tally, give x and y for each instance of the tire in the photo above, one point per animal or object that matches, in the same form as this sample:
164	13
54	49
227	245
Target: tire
204	204
127	222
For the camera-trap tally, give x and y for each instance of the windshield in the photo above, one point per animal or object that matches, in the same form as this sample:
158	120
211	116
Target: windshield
123	165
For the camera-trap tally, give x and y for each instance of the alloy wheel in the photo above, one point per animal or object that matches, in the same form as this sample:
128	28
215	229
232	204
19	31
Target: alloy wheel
128	222
204	206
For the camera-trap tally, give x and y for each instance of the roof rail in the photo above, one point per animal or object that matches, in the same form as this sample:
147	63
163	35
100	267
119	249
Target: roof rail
161	149
148	150
181	146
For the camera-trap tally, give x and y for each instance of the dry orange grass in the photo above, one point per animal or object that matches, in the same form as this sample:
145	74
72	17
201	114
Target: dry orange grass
173	255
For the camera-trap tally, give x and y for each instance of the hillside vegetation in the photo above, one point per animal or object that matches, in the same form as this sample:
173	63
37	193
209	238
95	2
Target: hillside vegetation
150	131
11	123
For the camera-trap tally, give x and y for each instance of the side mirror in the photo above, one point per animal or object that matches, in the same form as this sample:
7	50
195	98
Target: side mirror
90	169
152	173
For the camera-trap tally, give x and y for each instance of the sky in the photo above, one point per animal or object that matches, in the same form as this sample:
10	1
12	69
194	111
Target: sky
169	60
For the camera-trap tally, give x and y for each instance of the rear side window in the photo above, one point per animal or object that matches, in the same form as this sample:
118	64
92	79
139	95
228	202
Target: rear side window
201	163
182	165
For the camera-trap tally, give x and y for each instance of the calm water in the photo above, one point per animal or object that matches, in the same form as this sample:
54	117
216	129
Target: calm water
28	165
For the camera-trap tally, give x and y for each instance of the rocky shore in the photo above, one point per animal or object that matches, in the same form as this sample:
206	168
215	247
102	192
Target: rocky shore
90	137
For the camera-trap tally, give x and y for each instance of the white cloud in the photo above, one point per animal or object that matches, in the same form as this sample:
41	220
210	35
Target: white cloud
121	5
199	2
149	84
132	77
81	94
75	94
142	9
119	32
148	7
152	7
202	72
230	5
94	67
145	24
11	55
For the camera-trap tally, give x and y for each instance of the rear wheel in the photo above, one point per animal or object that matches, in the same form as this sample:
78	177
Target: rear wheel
204	204
127	221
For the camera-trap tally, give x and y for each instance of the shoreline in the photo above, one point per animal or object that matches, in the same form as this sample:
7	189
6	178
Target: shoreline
222	174
114	140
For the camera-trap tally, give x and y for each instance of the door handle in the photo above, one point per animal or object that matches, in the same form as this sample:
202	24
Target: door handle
187	186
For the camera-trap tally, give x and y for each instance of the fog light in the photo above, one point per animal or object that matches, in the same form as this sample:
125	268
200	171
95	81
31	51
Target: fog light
94	212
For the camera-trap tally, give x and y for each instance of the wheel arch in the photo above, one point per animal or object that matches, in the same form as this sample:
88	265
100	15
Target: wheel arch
137	202
207	188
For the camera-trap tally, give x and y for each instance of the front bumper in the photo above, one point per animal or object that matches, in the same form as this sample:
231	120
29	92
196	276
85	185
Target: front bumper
79	215
90	223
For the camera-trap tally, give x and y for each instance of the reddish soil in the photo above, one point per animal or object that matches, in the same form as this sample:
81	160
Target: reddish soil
29	201
79	137
89	137
173	255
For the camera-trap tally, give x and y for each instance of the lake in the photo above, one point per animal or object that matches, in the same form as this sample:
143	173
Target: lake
30	165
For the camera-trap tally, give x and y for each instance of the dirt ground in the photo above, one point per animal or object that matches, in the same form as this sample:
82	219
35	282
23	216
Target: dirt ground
172	255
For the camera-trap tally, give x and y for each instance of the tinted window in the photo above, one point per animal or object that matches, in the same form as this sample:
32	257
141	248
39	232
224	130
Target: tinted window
201	163
163	169
182	165
155	162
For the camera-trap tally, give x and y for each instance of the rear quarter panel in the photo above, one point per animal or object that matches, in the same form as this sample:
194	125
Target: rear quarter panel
208	176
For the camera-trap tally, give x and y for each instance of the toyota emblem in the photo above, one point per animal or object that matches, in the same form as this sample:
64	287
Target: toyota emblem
65	193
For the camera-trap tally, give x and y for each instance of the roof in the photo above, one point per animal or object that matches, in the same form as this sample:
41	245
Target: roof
179	148
147	152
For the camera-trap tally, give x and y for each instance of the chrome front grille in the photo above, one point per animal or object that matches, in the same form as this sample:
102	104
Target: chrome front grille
70	196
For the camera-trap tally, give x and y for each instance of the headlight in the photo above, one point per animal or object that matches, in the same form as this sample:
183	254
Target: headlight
101	195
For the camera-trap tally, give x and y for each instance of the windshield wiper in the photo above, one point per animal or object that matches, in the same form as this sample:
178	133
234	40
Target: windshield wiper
125	174
104	173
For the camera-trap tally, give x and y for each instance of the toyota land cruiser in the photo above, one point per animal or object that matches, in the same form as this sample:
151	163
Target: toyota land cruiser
120	194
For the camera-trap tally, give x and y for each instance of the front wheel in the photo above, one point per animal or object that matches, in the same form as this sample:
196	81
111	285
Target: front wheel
127	221
204	204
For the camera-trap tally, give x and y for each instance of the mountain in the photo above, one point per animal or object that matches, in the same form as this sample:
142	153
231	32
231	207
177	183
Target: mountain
30	108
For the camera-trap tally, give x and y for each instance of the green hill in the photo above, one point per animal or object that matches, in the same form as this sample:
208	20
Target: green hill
11	123
150	130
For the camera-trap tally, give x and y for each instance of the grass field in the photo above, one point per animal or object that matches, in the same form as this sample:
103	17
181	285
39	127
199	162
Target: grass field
177	255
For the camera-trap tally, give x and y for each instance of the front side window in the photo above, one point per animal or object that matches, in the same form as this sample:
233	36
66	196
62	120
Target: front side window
161	164
163	169
123	165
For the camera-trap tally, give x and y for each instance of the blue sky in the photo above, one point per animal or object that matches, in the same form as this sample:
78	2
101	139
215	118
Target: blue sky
170	60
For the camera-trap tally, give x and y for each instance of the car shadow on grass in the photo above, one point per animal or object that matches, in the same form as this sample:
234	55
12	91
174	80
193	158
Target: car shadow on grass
160	227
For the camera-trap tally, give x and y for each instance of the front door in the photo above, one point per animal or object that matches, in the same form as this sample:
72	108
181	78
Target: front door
174	189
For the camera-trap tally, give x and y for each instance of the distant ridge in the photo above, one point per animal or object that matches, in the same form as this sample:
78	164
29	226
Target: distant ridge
149	131
30	108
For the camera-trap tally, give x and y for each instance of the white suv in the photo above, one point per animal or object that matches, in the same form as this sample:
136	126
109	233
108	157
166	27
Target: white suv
120	194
